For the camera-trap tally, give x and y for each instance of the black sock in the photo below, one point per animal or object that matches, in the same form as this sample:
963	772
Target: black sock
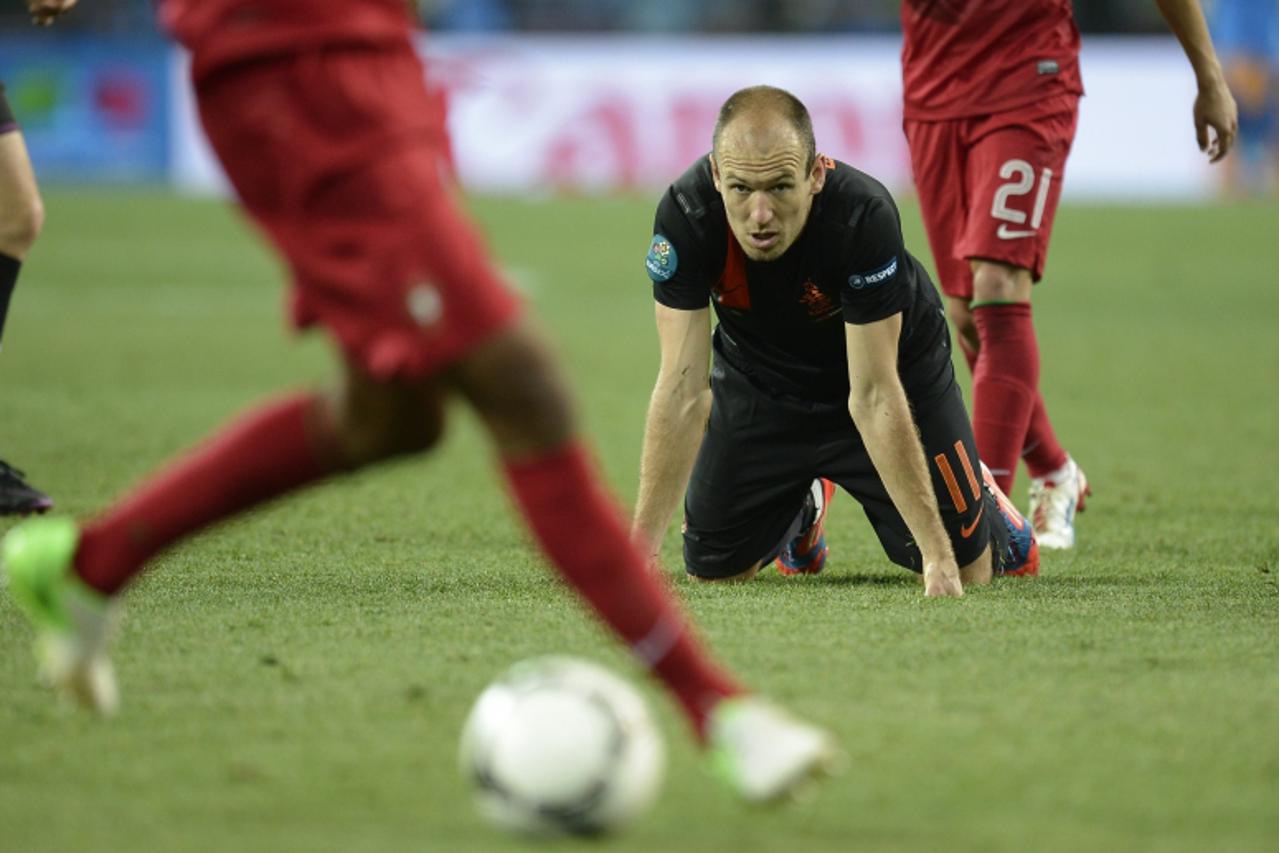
8	279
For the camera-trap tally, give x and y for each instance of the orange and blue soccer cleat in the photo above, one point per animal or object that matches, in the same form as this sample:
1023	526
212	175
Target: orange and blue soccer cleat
806	553
1017	549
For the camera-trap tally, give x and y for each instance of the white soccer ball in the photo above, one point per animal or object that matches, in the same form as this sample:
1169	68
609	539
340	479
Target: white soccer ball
562	745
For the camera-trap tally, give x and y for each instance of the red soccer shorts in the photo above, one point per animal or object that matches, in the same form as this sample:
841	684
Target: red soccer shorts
339	154
989	186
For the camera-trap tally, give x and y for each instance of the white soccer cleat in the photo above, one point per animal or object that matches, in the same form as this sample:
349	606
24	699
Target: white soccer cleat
762	752
1054	499
75	663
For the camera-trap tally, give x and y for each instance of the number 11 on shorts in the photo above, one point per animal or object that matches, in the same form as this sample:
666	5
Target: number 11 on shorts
952	483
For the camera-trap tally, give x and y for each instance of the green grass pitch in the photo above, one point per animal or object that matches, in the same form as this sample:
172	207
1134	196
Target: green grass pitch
296	679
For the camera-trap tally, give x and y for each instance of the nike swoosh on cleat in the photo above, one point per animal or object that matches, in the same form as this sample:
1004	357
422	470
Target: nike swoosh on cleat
967	530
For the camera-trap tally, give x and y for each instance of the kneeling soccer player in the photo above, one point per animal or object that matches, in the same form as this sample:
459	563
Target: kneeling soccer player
831	366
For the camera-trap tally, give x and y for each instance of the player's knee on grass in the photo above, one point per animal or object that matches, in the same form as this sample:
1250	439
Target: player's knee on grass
738	578
996	281
980	571
723	555
517	388
735	570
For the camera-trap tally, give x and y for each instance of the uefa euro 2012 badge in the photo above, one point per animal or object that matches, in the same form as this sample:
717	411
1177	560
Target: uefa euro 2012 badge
662	261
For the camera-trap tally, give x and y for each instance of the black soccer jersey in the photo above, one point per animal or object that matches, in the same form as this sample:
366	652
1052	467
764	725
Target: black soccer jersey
782	322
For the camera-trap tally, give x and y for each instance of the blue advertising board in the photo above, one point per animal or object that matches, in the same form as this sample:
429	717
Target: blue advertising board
91	109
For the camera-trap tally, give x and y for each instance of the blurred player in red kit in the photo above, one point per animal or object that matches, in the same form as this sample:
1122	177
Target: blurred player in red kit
321	116
992	91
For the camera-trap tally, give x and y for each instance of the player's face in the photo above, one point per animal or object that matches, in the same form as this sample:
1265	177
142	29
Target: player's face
768	190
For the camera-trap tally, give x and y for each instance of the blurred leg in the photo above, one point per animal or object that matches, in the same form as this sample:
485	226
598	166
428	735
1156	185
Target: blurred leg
518	391
271	450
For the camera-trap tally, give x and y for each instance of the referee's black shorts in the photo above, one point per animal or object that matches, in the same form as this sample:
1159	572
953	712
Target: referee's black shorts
762	451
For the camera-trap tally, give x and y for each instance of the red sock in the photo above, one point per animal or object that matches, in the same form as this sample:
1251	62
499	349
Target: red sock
1042	453
269	451
580	529
1005	385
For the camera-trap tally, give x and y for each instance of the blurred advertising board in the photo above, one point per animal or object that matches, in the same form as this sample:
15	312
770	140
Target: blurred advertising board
91	109
548	114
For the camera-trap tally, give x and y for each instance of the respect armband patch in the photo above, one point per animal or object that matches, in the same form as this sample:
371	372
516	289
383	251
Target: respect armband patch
661	261
875	277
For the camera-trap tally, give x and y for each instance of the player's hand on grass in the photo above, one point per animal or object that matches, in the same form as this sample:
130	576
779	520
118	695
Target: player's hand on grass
1215	108
941	578
45	12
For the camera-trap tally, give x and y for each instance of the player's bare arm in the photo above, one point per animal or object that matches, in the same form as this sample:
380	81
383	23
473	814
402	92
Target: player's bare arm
878	405
45	12
1214	105
676	418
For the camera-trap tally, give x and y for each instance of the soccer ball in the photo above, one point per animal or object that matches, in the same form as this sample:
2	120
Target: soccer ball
561	745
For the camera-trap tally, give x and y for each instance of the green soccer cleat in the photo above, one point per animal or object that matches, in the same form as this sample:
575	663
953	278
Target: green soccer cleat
74	623
763	753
